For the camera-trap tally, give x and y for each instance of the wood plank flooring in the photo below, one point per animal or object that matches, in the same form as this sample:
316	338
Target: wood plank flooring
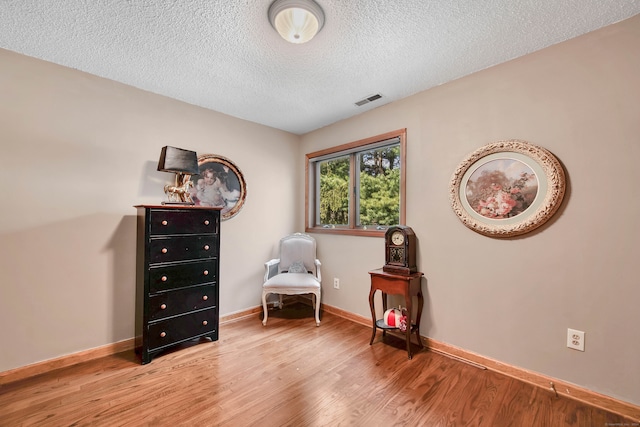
289	373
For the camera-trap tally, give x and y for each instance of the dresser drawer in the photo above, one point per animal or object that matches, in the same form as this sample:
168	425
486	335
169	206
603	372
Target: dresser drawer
169	249
163	222
173	303
182	275
181	328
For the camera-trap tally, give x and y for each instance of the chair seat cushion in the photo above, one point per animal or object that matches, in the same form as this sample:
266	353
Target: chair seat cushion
292	280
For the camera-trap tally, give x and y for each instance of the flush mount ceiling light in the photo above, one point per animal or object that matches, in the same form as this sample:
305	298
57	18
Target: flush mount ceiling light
297	21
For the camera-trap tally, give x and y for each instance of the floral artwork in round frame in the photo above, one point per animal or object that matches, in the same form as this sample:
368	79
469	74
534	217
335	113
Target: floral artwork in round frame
507	188
501	188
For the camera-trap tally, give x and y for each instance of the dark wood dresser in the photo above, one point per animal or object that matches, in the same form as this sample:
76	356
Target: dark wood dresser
177	281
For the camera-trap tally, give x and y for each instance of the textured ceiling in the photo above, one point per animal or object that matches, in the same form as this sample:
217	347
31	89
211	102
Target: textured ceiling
225	56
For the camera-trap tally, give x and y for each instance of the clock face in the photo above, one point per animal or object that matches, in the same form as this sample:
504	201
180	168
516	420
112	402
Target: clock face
397	238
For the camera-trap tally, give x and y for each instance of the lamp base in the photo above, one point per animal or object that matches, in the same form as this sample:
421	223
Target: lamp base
179	203
179	194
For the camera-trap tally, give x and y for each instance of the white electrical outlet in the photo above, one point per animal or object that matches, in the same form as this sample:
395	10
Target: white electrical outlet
336	283
575	339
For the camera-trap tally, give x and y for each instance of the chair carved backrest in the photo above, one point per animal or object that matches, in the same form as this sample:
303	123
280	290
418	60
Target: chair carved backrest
297	247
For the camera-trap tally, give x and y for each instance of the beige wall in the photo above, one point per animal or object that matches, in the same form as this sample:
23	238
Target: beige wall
513	300
78	152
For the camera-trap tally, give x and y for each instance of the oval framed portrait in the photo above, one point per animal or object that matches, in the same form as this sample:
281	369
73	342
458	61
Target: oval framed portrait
507	188
219	184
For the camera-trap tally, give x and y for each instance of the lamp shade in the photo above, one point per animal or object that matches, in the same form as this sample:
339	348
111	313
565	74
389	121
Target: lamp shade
297	21
178	160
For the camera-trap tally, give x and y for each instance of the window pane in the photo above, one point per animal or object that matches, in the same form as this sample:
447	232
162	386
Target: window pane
379	195
334	191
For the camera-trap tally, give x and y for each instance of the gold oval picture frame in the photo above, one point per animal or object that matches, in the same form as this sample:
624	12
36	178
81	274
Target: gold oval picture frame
219	184
507	188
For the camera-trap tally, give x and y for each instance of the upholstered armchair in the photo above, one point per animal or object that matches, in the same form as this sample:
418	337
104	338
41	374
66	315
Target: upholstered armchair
296	272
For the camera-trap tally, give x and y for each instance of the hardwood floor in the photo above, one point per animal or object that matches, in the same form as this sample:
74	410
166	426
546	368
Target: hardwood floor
289	373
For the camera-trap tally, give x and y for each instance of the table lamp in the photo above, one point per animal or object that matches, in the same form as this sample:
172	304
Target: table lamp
183	163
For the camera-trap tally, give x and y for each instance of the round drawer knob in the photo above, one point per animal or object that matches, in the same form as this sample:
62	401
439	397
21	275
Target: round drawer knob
206	272
206	222
165	222
204	323
164	250
163	278
204	298
206	247
163	334
163	306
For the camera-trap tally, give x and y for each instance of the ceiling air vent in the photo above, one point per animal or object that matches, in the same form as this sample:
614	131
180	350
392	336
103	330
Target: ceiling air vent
368	100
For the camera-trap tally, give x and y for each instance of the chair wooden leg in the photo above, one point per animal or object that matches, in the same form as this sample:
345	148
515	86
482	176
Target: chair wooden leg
316	298
265	309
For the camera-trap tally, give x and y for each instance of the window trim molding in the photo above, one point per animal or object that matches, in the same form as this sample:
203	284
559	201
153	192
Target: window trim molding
309	210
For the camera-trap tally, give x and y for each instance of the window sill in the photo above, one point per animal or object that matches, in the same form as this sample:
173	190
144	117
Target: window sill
347	231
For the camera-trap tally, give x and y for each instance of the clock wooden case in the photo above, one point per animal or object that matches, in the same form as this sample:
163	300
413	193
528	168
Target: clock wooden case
400	250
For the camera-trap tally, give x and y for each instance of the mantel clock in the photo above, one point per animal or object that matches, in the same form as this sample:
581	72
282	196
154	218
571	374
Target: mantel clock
400	250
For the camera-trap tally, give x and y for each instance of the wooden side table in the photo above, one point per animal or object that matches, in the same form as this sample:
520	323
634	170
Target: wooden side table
397	284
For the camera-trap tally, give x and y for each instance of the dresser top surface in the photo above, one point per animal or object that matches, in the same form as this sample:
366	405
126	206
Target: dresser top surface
194	207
